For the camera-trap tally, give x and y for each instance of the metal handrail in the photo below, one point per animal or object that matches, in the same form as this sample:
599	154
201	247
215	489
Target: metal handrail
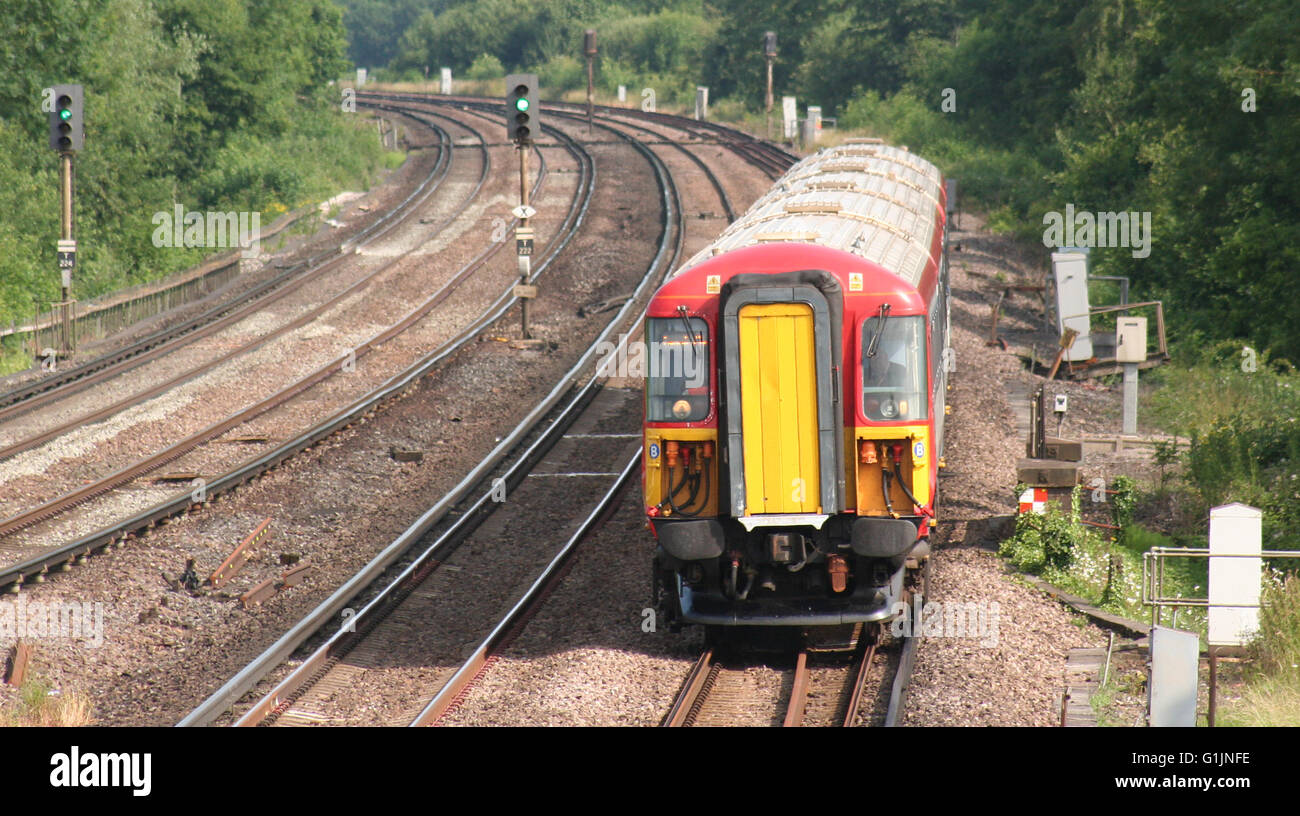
1153	578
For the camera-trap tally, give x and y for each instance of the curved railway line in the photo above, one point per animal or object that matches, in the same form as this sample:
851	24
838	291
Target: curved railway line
71	380
62	557
577	408
383	621
319	687
304	318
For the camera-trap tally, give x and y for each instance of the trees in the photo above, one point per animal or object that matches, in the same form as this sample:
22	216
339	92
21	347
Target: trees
219	104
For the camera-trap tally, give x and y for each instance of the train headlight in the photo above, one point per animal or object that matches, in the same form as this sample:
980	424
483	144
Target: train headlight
888	408
681	409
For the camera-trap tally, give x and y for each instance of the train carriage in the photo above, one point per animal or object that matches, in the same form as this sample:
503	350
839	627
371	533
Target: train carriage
795	398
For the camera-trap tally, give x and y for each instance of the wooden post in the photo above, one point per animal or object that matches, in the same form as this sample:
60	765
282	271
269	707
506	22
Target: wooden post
18	666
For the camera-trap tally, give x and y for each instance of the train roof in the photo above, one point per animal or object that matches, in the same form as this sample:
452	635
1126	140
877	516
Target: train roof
875	201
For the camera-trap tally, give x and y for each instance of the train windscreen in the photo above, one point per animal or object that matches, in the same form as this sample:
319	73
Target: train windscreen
894	378
677	383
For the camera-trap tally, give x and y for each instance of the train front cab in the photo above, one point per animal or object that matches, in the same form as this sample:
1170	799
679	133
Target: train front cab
789	508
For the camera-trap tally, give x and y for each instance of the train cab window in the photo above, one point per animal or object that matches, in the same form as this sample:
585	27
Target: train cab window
677	381
894	378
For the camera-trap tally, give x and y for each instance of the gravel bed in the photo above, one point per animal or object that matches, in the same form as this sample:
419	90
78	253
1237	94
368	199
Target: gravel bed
213	397
78	456
339	503
959	680
356	211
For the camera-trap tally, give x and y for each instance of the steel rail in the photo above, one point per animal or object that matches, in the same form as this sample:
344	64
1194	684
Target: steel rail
72	380
866	656
522	610
798	692
377	609
64	555
250	675
84	493
686	705
773	159
390	596
162	387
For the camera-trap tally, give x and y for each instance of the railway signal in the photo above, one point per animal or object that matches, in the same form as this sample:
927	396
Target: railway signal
523	115
66	118
523	124
66	136
589	47
769	53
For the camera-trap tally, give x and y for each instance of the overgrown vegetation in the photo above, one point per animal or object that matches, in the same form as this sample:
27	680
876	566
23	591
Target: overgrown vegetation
1185	109
1105	570
1271	695
1239	410
39	705
210	104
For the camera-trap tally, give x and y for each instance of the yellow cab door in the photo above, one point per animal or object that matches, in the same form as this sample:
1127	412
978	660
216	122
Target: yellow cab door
778	387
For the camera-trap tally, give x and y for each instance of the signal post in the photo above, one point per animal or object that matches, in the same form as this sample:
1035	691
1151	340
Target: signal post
589	46
522	122
769	53
67	136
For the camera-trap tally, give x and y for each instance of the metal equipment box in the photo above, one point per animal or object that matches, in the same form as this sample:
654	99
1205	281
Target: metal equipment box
1132	340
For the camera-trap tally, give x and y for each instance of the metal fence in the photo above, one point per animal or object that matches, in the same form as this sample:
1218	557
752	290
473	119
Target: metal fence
1153	578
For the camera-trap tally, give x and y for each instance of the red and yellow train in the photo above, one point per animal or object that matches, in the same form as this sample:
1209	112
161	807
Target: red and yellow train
795	398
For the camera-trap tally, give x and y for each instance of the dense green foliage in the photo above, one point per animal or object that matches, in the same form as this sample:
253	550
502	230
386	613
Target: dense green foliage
1240	413
212	104
1185	109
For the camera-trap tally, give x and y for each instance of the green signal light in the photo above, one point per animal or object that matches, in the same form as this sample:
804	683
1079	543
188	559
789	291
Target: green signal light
521	104
65	114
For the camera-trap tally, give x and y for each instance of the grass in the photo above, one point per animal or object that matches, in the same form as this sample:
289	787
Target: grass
1271	694
1106	571
1121	687
14	355
40	706
1265	701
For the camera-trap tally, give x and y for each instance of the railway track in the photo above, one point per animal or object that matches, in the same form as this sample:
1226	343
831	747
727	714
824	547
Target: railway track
805	688
73	379
456	503
311	693
770	158
411	603
304	318
64	556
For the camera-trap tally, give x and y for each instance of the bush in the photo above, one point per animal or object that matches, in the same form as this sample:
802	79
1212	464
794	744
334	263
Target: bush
1272	693
1240	414
485	66
1047	541
1279	625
